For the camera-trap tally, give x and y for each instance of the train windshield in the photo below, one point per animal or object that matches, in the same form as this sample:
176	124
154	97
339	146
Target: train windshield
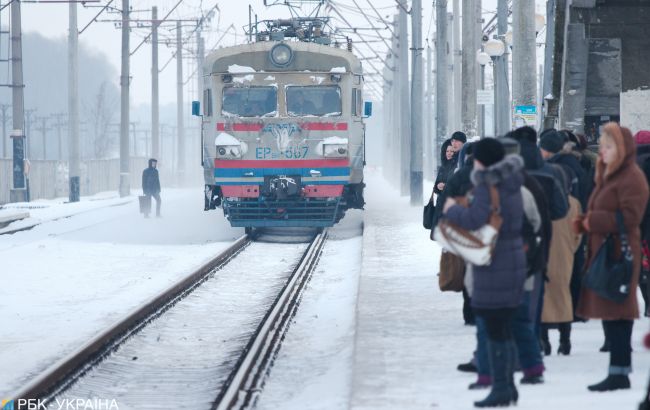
249	102
320	101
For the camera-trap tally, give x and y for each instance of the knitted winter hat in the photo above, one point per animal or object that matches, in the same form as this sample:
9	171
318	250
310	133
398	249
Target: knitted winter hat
551	141
642	137
489	151
459	136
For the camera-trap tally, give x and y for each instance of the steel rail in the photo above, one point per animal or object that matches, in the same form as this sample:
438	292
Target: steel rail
66	371
245	382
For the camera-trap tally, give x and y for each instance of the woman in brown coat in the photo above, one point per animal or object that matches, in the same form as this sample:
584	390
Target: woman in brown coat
558	305
620	185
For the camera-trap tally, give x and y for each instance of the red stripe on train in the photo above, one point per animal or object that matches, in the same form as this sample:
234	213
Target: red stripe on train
240	191
324	126
291	163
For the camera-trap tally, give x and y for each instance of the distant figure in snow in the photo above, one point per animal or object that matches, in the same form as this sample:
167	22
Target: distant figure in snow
151	185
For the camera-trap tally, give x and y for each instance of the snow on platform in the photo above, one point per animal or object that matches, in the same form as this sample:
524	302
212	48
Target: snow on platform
410	336
67	279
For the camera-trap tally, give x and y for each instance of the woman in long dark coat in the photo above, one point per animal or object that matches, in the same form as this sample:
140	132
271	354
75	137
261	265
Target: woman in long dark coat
499	286
448	160
620	186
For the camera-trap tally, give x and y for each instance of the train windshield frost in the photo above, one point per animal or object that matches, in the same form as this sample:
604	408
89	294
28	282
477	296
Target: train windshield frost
249	102
319	101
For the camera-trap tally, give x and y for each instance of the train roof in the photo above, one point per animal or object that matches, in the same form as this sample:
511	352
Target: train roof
308	56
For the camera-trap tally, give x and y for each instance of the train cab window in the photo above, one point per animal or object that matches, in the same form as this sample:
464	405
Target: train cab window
318	101
249	102
207	102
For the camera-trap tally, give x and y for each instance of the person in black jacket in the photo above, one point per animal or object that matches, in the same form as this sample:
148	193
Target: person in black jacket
448	160
151	184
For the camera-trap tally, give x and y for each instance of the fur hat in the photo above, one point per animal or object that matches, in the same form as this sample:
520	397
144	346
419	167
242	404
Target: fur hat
489	151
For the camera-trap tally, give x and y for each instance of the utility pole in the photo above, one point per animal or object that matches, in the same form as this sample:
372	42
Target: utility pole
457	65
442	50
429	156
417	103
19	191
125	189
74	170
5	145
405	126
481	74
468	112
200	55
155	100
396	114
43	130
502	92
179	103
524	64
59	125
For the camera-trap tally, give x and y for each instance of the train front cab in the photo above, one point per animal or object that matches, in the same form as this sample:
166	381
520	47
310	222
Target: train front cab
277	163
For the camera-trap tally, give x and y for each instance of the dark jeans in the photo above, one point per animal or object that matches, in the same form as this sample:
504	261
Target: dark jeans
498	323
619	334
530	357
468	313
156	196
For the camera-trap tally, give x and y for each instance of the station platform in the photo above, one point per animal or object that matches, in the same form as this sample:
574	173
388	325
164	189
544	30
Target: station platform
410	336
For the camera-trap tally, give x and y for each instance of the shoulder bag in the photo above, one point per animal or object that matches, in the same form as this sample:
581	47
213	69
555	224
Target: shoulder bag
451	277
610	273
427	214
475	247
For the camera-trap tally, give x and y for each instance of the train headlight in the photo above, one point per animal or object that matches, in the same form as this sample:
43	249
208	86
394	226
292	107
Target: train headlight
229	147
281	55
333	147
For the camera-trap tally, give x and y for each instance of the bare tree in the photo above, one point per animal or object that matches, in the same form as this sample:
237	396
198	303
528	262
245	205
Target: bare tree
100	116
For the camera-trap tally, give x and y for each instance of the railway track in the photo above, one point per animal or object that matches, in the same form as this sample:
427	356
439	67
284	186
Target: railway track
211	337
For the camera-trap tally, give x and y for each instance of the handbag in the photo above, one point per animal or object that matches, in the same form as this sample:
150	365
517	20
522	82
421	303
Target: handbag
145	204
475	247
452	272
427	214
609	276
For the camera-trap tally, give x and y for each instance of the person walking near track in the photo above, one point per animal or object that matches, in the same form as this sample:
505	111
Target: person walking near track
151	185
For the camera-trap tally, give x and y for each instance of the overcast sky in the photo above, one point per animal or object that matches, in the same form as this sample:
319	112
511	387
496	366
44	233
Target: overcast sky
52	21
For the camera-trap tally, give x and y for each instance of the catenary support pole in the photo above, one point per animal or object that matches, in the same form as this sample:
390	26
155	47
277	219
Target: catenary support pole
502	91
396	154
125	79
155	99
417	103
74	171
468	112
442	85
5	148
179	103
19	191
524	64
457	67
429	153
405	118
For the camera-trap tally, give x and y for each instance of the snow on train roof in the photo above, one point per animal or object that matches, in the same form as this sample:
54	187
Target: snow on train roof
253	57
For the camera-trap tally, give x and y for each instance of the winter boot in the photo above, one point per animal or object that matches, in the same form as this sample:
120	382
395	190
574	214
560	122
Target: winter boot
468	367
501	366
484	381
612	382
544	342
533	375
514	362
565	339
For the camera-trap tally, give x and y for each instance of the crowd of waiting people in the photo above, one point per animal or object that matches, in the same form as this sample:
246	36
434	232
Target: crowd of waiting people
559	201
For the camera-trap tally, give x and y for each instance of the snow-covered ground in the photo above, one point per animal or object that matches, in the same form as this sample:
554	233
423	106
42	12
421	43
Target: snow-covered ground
373	331
408	336
67	279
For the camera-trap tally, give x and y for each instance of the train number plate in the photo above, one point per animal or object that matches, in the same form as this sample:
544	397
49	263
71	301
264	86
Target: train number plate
298	152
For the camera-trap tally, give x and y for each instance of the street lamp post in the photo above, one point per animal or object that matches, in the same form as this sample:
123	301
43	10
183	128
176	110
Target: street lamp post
494	49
